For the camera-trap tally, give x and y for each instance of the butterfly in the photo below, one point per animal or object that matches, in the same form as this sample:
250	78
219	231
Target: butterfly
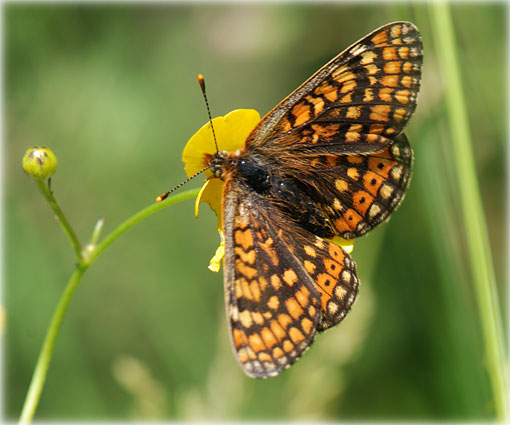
330	160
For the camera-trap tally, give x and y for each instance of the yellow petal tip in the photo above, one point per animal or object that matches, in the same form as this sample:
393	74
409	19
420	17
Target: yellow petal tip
215	263
346	244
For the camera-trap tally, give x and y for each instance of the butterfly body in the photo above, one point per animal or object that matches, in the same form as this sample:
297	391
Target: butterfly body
330	160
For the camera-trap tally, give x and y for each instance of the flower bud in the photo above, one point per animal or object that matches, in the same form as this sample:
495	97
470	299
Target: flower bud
39	163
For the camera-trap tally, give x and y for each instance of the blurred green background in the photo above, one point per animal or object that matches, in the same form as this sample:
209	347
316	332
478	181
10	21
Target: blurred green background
112	90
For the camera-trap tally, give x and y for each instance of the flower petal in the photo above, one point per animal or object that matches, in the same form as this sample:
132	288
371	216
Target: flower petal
215	263
346	244
231	132
211	193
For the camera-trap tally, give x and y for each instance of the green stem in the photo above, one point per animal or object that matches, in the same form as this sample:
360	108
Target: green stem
48	195
43	362
473	215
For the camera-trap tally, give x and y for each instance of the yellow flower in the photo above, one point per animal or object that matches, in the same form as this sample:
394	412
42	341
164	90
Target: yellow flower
231	132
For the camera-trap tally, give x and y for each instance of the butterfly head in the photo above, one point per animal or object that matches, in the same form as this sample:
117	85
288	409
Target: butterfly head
218	163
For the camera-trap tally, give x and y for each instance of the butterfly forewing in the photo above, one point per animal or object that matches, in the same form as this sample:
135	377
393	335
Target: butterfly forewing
358	102
281	286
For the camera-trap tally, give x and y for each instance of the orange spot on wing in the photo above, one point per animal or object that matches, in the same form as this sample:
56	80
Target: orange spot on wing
408	67
296	335
245	270
389	80
399	114
246	257
372	182
407	81
344	76
293	307
403	52
309	266
303	296
380	38
286	125
268	337
325	283
352	137
380	166
346	99
380	112
276	283
255	342
368	95
328	91
336	252
393	67
396	30
353	112
332	267
290	277
245	239
277	353
288	346
385	94
264	357
348	86
352	218
284	320
353	159
278	330
301	113
361	201
390	53
317	102
307	325
376	128
239	338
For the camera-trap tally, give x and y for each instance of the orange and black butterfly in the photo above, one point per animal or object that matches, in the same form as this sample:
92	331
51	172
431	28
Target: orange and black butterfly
330	160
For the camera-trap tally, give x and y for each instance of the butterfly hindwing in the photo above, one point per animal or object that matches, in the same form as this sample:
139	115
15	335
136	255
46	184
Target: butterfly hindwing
282	284
356	192
366	189
356	103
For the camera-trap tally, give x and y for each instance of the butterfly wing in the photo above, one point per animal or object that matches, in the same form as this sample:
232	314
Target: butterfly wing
282	283
355	192
365	189
358	102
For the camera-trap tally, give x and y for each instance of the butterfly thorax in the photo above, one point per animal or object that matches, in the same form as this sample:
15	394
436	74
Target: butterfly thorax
260	178
231	165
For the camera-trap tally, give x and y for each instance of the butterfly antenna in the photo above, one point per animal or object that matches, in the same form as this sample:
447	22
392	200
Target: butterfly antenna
201	81
165	195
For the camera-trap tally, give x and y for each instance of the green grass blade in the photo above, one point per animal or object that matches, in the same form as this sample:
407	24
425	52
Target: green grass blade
472	210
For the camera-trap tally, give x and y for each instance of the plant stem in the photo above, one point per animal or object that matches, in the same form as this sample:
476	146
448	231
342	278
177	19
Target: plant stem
473	215
43	362
48	195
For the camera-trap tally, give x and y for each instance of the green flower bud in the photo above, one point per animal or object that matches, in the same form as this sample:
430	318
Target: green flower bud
39	163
